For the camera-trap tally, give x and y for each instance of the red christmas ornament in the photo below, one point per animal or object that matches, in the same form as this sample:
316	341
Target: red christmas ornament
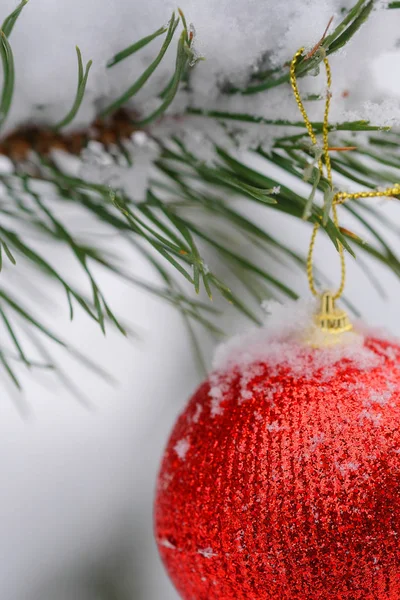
281	479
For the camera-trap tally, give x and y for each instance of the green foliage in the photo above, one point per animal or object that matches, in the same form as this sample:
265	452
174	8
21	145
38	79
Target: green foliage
10	21
352	21
80	92
135	47
7	60
164	226
9	76
139	83
317	125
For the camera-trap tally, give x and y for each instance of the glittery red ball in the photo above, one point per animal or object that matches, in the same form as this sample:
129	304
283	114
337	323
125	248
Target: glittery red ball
284	483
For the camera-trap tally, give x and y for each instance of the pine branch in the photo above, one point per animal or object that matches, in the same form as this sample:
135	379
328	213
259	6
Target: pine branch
165	226
343	33
137	86
317	125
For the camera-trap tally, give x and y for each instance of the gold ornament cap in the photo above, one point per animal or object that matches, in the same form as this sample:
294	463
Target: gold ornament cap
330	319
330	323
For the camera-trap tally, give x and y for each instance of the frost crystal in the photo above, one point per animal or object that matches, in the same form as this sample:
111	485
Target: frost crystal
181	448
345	468
199	410
274	426
207	552
167	544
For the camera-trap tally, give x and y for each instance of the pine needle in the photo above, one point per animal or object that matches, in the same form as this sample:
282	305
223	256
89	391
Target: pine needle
80	92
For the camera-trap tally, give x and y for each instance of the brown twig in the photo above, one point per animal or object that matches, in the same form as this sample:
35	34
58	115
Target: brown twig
42	140
342	149
318	45
349	233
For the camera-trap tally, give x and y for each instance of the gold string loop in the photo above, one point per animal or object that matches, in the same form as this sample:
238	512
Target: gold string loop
325	161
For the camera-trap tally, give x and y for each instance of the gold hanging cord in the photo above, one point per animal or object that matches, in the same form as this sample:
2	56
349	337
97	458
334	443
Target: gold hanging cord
339	197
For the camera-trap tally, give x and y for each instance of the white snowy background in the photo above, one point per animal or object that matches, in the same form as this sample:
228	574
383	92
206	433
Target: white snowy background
77	481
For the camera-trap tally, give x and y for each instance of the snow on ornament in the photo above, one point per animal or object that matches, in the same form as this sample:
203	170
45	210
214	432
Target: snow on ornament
281	479
289	485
